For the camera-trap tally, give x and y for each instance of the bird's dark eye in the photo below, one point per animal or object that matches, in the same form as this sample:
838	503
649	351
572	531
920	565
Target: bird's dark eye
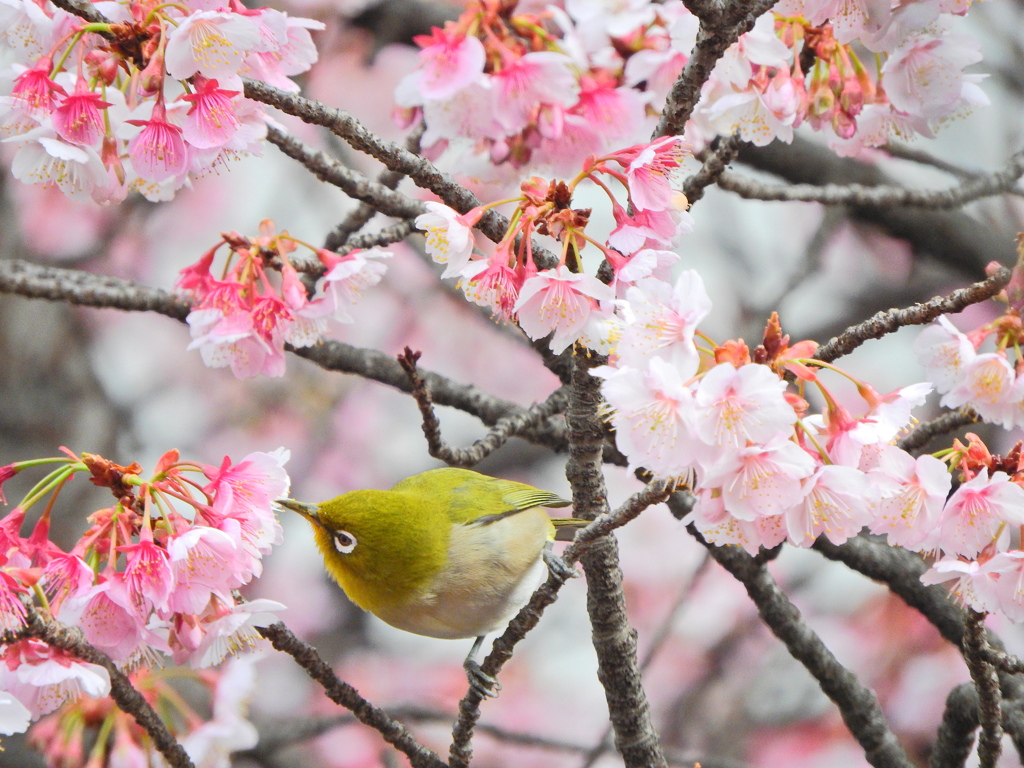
344	542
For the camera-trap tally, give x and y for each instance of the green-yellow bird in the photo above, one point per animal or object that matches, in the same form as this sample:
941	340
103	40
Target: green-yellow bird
447	553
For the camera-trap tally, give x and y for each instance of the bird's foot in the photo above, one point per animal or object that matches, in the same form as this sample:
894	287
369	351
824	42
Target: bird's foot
558	566
484	685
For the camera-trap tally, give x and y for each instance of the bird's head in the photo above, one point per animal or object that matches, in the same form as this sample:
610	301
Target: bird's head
384	540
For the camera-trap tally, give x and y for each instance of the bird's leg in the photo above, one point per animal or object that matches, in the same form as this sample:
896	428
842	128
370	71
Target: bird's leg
485	685
557	565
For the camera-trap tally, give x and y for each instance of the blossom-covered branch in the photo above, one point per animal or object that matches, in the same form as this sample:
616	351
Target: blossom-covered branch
721	24
424	173
70	640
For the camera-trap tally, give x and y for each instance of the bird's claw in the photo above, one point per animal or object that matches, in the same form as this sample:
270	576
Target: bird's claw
558	566
484	685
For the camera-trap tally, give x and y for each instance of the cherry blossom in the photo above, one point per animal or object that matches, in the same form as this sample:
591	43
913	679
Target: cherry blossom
559	301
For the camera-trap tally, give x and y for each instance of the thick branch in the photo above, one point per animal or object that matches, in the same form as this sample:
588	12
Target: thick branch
86	289
720	26
614	639
986	681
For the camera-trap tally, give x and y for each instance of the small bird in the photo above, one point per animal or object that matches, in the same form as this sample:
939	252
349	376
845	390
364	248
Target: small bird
447	553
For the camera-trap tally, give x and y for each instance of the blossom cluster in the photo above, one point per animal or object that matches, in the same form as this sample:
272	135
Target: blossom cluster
243	319
145	101
765	469
563	301
988	382
154	575
552	87
108	736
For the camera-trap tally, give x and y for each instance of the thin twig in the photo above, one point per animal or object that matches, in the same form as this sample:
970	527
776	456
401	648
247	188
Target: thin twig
882	323
997	183
343	694
363	212
352	183
499	434
715	160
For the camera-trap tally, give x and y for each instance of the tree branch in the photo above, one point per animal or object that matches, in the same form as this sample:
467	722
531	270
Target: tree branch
352	183
997	183
124	694
345	695
857	704
614	639
986	682
720	26
503	429
882	323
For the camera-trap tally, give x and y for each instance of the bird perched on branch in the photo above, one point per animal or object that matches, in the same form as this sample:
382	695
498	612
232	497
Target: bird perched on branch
447	553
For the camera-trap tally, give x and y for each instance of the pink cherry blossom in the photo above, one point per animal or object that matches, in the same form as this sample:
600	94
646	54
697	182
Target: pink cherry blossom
761	480
833	506
449	236
647	229
42	678
147	576
78	117
158	152
736	405
14	716
973	584
943	351
210	43
492	283
226	632
204	561
985	384
665	318
912	492
1008	571
559	301
348	277
924	74
650	169
449	61
652	413
537	77
12	610
211	120
976	513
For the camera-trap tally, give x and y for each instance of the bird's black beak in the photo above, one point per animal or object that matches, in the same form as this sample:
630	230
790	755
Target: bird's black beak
308	511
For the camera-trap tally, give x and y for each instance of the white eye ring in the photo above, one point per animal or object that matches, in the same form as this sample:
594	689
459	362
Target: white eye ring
344	542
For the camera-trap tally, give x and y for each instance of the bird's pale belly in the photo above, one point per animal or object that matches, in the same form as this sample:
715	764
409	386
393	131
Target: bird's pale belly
491	572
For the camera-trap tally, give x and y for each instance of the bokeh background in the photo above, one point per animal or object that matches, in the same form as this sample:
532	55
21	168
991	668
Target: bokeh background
723	690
